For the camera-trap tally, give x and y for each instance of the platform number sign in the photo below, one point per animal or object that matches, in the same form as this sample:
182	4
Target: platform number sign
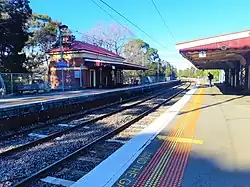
202	54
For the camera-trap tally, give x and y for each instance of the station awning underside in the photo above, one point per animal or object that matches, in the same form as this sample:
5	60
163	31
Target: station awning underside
221	52
118	64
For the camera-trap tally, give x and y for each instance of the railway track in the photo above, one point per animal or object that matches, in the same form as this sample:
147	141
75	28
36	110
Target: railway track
22	163
30	128
114	139
27	138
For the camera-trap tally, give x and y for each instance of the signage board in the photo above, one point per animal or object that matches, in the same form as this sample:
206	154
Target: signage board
61	64
202	54
77	74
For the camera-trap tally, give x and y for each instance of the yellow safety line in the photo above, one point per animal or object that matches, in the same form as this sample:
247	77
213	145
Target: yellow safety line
181	140
153	179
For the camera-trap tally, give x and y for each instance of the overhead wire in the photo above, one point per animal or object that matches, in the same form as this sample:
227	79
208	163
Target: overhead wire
167	27
135	25
90	37
112	17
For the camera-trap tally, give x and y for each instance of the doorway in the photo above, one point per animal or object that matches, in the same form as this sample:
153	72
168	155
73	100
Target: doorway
92	78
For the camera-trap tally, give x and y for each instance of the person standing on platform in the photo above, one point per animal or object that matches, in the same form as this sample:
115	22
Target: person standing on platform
210	78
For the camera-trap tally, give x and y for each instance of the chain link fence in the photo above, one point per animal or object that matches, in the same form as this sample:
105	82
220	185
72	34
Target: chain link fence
11	83
142	80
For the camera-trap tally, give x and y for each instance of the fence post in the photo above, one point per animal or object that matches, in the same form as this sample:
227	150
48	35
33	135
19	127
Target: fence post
81	76
11	81
62	80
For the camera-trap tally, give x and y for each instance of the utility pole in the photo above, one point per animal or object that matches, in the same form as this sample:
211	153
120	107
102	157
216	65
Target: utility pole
171	73
158	70
61	51
61	56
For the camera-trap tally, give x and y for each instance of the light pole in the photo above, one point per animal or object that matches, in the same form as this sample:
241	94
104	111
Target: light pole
61	27
158	69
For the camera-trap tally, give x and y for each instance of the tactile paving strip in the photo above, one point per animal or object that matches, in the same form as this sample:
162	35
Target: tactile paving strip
163	162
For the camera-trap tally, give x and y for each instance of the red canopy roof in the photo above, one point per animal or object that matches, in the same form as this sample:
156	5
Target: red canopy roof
219	52
82	46
239	40
243	43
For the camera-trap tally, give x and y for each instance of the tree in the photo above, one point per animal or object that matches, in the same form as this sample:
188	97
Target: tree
197	73
139	52
135	51
43	35
109	36
14	34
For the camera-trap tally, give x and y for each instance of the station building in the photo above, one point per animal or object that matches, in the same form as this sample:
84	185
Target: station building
229	52
87	66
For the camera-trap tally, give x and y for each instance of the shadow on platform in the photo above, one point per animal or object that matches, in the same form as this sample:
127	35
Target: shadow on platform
211	105
210	171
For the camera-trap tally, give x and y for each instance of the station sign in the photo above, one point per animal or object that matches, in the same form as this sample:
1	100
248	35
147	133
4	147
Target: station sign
202	54
61	64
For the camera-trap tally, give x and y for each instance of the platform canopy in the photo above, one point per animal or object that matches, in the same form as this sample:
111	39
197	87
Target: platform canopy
219	52
117	64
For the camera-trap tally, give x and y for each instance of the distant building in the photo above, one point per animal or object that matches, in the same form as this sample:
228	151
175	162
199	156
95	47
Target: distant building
86	66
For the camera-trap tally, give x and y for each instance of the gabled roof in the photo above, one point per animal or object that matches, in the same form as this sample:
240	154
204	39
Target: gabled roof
82	46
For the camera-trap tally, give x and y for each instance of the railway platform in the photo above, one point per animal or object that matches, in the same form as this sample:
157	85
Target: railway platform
19	111
202	140
37	98
16	101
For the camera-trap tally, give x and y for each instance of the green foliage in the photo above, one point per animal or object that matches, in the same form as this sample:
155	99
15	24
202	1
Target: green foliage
43	35
14	34
139	52
197	73
25	37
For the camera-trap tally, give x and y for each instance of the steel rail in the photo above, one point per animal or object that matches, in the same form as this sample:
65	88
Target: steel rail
108	135
65	131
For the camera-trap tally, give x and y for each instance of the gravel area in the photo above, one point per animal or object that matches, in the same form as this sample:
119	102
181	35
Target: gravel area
76	169
19	140
15	142
27	162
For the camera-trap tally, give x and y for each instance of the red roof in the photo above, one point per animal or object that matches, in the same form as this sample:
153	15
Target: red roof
213	37
238	40
79	46
243	43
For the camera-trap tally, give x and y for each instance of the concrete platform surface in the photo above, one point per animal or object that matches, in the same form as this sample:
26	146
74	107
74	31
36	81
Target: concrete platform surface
22	100
204	145
45	97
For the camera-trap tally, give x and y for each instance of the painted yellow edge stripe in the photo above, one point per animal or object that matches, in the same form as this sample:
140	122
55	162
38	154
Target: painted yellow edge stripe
182	140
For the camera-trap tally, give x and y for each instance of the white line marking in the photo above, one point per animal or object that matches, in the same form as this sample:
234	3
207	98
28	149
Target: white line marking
116	141
38	135
58	181
109	171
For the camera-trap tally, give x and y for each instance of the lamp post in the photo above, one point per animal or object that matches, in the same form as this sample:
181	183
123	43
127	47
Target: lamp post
158	70
62	27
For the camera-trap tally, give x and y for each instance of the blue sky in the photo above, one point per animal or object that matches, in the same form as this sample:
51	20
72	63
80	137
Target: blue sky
187	19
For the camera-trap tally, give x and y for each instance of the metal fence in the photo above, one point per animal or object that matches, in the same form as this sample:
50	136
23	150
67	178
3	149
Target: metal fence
11	83
141	80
